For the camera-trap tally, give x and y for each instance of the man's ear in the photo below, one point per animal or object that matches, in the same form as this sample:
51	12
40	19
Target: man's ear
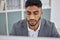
41	14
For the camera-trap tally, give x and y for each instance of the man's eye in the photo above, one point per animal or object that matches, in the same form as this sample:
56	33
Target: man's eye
28	13
35	13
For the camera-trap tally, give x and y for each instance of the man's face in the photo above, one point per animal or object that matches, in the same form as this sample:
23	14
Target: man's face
33	15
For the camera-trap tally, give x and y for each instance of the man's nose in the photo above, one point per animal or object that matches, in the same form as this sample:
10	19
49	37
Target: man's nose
31	16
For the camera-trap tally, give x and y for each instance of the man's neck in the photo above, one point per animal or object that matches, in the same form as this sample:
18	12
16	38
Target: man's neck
35	27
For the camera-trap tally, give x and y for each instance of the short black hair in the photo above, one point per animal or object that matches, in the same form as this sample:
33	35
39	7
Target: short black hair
37	3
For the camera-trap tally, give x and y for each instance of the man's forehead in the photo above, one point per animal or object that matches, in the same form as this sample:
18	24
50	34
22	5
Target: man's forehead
33	8
32	11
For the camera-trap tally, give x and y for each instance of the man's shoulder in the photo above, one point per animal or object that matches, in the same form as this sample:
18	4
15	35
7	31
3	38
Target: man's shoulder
47	23
20	22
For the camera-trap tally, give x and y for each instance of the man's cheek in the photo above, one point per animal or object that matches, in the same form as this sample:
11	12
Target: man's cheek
27	18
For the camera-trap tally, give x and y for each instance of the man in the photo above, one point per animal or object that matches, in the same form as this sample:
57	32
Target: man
34	25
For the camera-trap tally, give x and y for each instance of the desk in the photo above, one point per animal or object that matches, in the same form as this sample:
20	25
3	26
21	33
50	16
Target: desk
26	38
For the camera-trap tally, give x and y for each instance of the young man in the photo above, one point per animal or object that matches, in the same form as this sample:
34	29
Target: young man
34	25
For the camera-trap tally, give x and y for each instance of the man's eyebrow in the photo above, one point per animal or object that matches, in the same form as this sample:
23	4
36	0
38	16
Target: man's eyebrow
28	11
35	11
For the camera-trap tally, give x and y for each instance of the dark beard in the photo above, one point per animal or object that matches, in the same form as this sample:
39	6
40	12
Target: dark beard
35	23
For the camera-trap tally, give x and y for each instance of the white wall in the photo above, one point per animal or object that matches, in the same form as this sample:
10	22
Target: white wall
55	13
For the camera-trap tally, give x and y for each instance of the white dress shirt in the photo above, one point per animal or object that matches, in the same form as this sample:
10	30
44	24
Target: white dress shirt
33	33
